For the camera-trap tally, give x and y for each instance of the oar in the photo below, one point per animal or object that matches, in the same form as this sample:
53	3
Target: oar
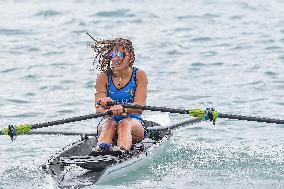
175	125
206	114
67	133
251	118
14	130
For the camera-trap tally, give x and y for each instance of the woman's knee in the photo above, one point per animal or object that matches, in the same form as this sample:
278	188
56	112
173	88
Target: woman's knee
107	124
138	132
123	127
129	124
126	121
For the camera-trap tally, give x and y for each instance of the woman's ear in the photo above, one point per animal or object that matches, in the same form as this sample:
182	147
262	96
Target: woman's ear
131	56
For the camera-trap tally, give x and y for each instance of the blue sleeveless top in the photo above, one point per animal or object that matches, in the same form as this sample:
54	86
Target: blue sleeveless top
124	95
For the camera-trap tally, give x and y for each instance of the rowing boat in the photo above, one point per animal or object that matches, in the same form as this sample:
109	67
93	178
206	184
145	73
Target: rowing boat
105	167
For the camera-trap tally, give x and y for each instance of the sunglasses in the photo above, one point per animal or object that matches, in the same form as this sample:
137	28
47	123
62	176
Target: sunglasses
117	53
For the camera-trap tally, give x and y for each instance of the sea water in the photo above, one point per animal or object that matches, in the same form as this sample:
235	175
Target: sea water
226	54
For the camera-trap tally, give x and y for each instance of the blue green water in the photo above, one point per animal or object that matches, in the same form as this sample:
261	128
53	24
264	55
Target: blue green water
224	54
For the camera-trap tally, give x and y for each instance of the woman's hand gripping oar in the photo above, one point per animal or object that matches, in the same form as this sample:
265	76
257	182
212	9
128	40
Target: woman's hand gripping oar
14	130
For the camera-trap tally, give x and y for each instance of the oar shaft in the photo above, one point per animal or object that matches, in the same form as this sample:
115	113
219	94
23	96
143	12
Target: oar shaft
200	113
14	130
91	36
175	125
69	120
153	108
60	133
251	118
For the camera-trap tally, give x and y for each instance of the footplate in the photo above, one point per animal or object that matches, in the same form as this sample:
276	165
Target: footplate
92	163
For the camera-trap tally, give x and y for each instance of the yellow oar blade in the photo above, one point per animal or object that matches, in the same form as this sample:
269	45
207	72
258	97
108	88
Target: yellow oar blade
197	113
208	114
16	130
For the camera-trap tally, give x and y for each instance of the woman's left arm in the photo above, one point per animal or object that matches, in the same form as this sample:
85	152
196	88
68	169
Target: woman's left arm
141	91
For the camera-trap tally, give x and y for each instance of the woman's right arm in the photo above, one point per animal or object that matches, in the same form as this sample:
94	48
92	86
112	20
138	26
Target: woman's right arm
101	93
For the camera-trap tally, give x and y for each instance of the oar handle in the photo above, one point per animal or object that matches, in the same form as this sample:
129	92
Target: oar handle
251	118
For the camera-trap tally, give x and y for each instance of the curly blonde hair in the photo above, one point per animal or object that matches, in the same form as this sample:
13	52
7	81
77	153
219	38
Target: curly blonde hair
103	49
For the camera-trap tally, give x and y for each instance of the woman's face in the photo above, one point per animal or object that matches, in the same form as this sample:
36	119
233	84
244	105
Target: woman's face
119	58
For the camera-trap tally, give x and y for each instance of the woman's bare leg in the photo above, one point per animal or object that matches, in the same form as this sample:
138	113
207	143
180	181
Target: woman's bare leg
127	130
108	130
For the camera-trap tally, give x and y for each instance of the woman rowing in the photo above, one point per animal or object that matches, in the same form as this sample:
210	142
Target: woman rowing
119	82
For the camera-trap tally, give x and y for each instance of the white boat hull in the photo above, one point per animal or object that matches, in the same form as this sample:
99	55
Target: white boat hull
123	168
127	168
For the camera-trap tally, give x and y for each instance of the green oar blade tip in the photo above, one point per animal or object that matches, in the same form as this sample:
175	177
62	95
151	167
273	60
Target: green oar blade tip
208	114
14	130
